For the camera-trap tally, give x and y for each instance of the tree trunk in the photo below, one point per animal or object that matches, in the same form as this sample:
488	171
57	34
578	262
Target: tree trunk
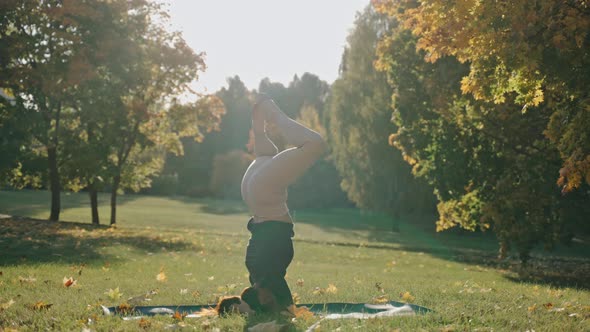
94	204
116	182
395	222
504	248
54	184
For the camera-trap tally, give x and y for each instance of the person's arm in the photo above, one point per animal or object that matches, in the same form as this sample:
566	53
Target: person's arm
263	146
290	164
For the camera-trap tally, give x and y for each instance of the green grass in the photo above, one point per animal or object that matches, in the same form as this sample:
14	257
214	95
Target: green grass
199	246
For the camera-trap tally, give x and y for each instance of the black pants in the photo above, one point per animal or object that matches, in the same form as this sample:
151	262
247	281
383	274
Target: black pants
269	253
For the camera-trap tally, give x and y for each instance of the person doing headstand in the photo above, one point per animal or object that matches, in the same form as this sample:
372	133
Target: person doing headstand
264	190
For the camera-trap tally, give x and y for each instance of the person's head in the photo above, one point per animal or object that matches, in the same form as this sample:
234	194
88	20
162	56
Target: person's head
259	299
232	304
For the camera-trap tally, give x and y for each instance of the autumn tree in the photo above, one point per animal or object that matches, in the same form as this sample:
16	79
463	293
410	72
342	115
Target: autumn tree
98	84
482	146
375	176
319	187
47	51
194	169
534	53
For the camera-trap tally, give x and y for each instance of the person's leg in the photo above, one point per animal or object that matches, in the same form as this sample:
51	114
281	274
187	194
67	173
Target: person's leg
290	164
277	284
269	253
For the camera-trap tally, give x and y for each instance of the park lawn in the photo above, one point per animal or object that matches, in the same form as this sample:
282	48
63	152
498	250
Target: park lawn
188	251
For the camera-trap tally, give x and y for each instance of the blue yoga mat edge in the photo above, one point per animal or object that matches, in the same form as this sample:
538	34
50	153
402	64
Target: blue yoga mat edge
333	307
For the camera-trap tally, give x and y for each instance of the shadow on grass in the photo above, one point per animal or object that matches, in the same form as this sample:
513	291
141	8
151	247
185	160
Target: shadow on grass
564	267
546	270
26	241
411	233
214	206
38	202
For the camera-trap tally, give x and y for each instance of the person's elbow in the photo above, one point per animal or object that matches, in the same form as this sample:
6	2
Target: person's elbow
318	145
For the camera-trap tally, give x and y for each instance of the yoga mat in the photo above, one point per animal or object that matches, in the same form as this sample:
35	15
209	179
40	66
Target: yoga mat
316	308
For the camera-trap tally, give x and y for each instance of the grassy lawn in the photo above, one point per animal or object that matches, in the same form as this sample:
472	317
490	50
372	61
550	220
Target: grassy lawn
189	251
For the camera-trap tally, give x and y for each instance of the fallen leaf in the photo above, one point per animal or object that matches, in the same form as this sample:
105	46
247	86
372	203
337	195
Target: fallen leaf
6	305
67	282
532	308
138	299
144	323
179	316
407	297
331	289
125	308
381	299
300	282
161	277
296	298
183	290
27	280
317	291
211	278
41	305
300	312
548	305
113	294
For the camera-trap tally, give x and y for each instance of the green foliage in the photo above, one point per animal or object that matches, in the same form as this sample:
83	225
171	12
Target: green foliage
95	89
530	54
488	158
374	174
226	176
319	187
194	167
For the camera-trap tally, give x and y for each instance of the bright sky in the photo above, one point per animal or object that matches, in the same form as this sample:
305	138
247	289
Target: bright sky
255	39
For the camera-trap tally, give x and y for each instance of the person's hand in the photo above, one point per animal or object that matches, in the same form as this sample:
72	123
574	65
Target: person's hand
257	120
265	105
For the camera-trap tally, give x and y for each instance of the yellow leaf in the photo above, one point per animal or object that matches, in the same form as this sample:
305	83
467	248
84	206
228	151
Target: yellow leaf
6	305
41	305
331	289
532	308
300	282
125	308
407	297
161	277
300	312
144	323
68	282
548	305
296	298
179	316
113	294
27	280
381	299
317	291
